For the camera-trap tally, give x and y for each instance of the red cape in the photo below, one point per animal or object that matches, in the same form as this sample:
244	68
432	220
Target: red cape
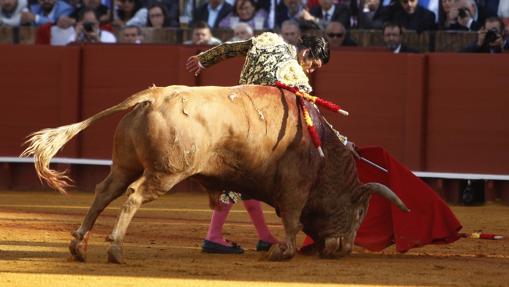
429	221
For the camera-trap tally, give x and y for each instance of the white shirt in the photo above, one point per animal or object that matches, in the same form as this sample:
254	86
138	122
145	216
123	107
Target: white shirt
329	13
213	13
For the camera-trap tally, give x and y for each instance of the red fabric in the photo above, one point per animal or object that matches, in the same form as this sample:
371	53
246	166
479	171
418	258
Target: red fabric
430	221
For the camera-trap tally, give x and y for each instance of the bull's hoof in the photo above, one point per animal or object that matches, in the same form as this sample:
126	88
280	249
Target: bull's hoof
279	252
78	249
115	254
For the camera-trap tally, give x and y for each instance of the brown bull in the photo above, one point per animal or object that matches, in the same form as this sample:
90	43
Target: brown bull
246	138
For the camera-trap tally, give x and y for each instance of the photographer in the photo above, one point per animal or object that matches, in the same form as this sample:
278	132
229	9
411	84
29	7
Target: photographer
490	39
88	31
460	15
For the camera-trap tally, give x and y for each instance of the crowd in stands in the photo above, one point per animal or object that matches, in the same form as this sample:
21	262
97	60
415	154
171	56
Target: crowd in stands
61	22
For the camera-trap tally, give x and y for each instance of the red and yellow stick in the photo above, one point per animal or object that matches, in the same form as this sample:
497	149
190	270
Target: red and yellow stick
311	128
319	101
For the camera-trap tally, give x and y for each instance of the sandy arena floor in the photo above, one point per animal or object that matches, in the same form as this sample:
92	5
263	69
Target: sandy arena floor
162	248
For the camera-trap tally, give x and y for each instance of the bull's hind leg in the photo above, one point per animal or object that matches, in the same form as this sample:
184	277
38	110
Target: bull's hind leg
105	192
147	188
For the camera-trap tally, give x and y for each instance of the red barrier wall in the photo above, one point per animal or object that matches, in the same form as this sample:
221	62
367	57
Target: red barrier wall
468	122
436	112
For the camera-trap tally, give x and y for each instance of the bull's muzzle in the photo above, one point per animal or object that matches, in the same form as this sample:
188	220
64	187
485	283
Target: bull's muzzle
336	247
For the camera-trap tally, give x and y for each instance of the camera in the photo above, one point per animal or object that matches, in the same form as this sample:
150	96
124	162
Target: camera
462	12
88	27
491	36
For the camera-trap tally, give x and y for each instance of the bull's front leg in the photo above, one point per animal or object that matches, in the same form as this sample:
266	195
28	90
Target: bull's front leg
286	249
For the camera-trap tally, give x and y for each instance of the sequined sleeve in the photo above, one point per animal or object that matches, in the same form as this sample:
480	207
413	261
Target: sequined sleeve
224	51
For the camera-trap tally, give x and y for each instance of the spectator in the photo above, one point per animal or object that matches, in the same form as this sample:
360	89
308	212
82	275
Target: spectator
172	10
11	11
46	11
372	16
459	15
202	35
87	30
241	32
490	39
290	32
245	11
157	16
102	11
337	35
212	12
292	10
327	11
392	39
131	34
130	13
411	16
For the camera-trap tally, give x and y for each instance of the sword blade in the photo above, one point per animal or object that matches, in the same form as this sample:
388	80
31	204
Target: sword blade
374	164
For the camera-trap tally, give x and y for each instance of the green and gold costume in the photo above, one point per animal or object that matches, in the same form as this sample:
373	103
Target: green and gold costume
268	59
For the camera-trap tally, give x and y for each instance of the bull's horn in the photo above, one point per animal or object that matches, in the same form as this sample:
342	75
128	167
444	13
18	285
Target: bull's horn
387	193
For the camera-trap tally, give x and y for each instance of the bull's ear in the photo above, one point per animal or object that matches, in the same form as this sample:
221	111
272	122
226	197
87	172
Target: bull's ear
360	194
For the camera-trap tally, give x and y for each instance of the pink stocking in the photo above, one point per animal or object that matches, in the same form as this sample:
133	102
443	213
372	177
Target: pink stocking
215	233
254	209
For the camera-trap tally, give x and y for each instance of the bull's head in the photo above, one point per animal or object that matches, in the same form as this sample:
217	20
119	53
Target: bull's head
334	224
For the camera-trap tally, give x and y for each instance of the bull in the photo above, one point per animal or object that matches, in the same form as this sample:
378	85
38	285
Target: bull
251	139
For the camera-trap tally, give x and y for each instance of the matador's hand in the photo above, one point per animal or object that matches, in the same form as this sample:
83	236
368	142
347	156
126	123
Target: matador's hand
193	65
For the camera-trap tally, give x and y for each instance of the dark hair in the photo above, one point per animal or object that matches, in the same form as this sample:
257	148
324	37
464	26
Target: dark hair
318	47
496	19
88	10
163	8
253	2
138	29
137	6
393	25
201	25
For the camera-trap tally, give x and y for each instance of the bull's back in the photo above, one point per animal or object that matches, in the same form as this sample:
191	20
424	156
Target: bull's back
198	127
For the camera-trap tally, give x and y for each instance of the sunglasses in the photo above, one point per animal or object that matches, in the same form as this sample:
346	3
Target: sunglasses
335	35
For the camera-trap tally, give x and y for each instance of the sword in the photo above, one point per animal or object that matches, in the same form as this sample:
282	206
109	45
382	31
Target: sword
373	164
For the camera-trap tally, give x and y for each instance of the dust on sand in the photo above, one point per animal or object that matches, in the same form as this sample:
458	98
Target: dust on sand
162	248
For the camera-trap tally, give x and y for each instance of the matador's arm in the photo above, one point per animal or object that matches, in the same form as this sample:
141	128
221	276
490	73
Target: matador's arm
223	52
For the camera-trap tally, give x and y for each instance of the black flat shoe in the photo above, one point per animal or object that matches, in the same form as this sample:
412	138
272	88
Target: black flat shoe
212	247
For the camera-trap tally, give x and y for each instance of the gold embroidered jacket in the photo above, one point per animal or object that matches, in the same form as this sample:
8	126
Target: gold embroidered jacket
268	59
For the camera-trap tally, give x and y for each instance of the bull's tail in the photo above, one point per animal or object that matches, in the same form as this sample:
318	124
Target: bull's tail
44	144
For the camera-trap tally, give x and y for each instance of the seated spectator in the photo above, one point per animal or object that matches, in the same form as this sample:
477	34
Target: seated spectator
131	35
245	11
290	32
337	35
242	31
393	39
158	16
11	11
411	16
327	11
292	10
130	13
372	15
490	39
458	15
172	9
47	11
87	30
202	35
102	11
212	12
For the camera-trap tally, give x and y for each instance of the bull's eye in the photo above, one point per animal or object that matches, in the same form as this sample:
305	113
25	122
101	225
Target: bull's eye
361	212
